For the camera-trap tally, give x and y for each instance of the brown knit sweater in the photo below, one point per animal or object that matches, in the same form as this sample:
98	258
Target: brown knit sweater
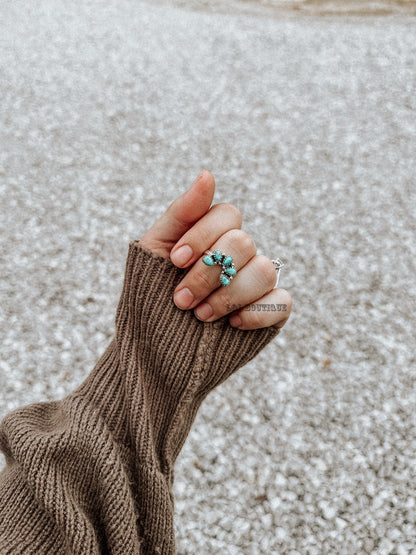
93	473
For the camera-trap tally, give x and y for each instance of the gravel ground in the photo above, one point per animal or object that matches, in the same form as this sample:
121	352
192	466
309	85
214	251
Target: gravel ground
109	110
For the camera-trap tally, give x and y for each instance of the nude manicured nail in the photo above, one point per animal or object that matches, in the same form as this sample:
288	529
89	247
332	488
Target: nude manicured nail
204	311
235	320
182	255
183	298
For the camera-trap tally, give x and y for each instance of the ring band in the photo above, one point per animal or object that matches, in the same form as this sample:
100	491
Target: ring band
278	265
228	270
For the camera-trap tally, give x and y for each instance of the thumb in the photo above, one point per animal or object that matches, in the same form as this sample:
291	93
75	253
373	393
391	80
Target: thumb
181	215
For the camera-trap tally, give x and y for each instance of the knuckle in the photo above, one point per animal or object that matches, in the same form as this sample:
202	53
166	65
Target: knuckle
242	239
266	269
204	235
226	302
230	211
255	318
200	277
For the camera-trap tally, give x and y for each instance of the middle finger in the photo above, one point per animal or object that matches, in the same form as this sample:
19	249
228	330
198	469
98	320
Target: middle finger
202	280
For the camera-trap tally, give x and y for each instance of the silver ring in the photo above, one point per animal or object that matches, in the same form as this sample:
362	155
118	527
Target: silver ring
278	265
228	270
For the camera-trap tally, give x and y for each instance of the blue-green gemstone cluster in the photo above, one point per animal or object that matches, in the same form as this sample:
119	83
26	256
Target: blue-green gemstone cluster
225	261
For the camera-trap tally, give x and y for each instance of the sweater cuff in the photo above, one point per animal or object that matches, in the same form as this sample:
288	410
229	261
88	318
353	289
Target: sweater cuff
171	359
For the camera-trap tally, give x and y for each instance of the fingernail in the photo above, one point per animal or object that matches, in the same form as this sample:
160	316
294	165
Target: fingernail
204	311
182	255
235	320
183	298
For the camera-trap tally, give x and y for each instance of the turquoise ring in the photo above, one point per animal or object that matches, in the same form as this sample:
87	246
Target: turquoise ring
228	270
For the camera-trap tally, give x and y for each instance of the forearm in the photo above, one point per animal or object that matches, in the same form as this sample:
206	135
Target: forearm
96	468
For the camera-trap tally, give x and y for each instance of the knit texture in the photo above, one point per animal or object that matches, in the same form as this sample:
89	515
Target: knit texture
93	473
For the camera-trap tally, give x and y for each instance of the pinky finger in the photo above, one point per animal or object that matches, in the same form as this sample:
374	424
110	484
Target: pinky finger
271	310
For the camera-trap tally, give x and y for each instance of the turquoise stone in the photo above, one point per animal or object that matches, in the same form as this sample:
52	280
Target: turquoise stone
208	261
225	280
227	261
218	255
231	271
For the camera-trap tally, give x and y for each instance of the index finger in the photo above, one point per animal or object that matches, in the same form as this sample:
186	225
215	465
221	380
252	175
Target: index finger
204	233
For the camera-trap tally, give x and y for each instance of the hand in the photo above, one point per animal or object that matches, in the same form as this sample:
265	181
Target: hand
188	228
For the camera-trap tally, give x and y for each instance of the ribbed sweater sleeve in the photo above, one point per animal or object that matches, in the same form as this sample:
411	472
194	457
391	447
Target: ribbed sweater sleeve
93	472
